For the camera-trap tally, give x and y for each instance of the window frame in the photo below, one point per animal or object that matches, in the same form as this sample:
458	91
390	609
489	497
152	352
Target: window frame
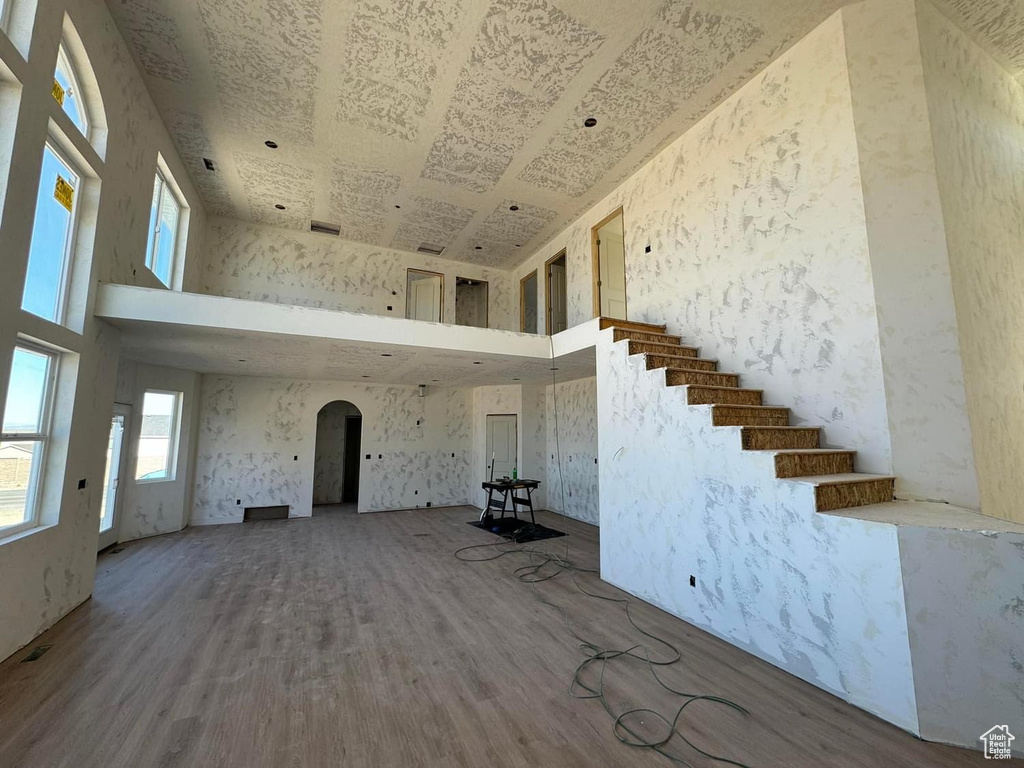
173	439
76	84
70	235
167	184
5	14
33	500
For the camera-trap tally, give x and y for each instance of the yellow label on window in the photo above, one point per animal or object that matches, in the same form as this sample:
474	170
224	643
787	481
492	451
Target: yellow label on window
64	193
58	93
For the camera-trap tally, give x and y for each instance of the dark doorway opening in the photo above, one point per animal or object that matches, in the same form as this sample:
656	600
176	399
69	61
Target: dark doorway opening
353	440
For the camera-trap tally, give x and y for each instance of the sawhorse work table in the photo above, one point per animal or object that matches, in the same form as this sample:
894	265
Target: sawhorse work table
500	491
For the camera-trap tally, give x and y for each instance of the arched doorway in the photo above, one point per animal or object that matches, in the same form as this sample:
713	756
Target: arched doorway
339	428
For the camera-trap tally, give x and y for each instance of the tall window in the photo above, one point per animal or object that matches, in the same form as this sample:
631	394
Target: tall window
164	223
158	440
26	429
49	257
68	93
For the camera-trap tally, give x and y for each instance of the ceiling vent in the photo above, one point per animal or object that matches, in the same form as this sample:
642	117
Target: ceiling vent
323	228
433	250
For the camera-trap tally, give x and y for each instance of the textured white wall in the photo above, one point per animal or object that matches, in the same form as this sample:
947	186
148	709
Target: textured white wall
921	363
572	469
47	572
759	250
966	620
251	430
977	120
819	596
249	261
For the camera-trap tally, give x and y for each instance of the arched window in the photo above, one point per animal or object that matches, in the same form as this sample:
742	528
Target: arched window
68	92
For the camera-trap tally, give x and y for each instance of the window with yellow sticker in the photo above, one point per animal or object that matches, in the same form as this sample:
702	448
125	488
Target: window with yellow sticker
49	257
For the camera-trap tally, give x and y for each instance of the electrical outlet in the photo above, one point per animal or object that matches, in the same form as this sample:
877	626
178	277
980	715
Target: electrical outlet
238	502
647	249
81	484
693	581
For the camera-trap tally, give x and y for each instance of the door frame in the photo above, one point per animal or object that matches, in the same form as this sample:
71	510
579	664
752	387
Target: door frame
522	303
596	260
487	299
111	537
562	254
424	272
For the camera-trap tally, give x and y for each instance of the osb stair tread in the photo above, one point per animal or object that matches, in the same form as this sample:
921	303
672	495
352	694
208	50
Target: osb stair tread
809	451
775	428
672	347
661	338
611	322
680	360
746	407
844	479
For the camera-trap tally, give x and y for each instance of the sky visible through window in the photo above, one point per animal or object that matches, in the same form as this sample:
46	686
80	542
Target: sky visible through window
26	396
73	106
50	231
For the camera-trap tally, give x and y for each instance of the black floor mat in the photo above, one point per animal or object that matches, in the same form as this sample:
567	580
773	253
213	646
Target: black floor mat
518	530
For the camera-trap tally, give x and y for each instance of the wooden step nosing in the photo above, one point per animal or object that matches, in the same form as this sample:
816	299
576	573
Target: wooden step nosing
746	407
787	427
817	481
802	451
731	389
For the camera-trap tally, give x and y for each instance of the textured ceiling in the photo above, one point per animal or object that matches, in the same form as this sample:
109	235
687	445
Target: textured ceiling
454	110
248	353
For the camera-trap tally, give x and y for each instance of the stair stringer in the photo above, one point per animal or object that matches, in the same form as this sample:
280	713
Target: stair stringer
819	596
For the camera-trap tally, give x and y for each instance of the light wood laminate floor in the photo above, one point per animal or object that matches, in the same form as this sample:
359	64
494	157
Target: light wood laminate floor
347	640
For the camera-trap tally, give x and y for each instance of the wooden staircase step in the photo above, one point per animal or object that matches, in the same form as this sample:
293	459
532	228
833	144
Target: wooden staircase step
656	348
680	361
810	463
779	438
725	415
678	377
832	492
620	334
700	395
631	325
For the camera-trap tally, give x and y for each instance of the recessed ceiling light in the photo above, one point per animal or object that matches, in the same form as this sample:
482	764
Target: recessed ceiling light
477	363
385	354
513	207
279	207
398	206
436	379
366	375
590	122
518	245
271	144
554	369
515	379
478	247
241	359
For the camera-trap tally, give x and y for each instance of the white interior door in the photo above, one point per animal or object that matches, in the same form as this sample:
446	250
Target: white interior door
424	298
117	457
557	299
501	444
611	255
